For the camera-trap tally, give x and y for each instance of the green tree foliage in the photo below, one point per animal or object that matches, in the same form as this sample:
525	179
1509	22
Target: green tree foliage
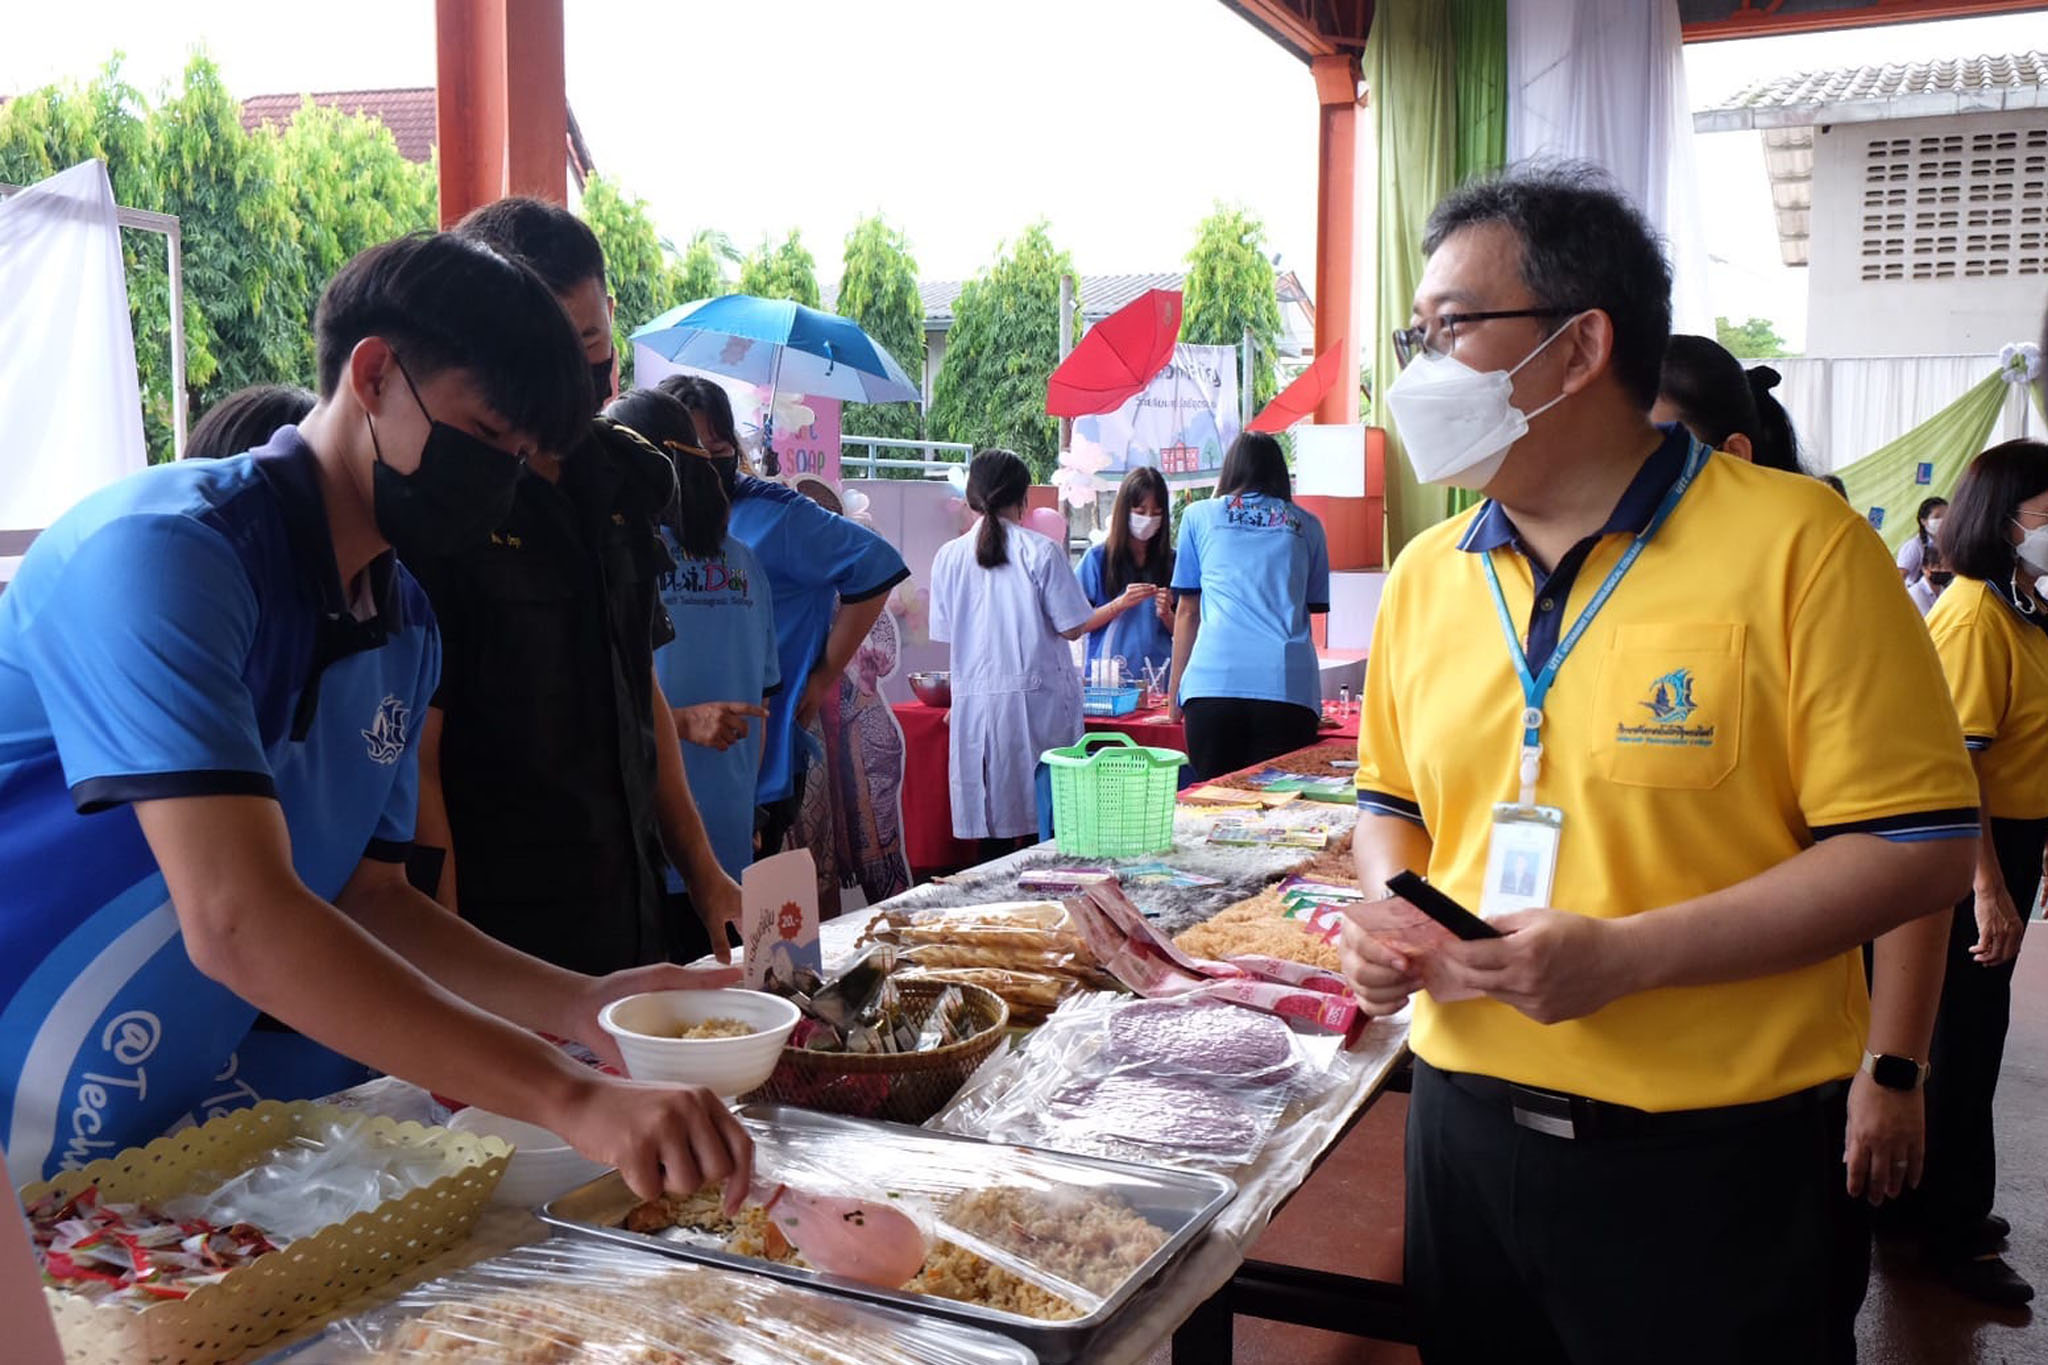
784	271
1230	290
351	188
245	264
637	269
56	127
878	290
701	271
1756	339
1004	343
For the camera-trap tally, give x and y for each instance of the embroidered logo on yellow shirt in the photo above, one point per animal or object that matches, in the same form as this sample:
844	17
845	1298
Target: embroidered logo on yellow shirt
1671	703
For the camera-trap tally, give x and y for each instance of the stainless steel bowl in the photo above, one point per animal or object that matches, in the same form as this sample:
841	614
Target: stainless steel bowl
933	689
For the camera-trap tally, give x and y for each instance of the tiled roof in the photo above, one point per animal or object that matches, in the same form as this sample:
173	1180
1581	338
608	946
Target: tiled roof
1101	295
1894	90
408	112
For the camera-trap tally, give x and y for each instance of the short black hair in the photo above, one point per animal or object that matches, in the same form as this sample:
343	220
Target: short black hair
697	516
1975	535
246	419
444	302
1584	246
559	246
708	398
1255	464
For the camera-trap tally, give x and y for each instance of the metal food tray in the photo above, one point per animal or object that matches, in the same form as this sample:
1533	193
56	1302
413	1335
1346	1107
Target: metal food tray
1181	1202
951	1341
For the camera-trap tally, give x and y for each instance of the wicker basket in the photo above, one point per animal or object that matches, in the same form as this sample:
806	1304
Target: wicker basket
901	1087
284	1288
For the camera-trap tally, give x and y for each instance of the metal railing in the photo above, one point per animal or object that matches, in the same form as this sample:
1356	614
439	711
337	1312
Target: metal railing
859	457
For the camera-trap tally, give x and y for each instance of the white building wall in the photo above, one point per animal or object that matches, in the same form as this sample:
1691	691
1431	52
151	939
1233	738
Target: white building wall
1930	236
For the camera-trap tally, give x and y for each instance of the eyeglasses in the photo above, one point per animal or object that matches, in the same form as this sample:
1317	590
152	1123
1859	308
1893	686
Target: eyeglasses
1439	336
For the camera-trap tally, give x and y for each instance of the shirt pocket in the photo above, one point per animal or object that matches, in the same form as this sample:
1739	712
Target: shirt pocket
1669	705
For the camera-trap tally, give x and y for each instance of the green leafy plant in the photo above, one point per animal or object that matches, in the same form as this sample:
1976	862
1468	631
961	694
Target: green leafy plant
878	290
1229	291
1004	343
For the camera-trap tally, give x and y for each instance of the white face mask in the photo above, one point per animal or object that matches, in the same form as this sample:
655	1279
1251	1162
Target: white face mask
2033	548
1144	527
1458	423
1933	527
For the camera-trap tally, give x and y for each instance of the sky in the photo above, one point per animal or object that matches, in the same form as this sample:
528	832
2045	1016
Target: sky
1121	122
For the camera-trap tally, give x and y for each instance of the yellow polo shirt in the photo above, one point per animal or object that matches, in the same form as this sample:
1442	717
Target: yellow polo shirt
1756	683
1997	666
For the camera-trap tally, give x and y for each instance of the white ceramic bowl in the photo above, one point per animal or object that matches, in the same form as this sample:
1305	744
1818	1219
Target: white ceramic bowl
730	1066
542	1165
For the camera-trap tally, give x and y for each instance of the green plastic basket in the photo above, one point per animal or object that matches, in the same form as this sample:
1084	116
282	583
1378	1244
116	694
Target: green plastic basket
1114	801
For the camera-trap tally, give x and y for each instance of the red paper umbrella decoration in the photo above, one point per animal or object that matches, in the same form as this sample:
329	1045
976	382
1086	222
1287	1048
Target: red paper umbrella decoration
1118	356
1299	399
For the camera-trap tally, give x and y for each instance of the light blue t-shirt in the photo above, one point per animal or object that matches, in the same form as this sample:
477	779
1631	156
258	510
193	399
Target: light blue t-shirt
724	650
182	632
1261	566
1137	637
814	559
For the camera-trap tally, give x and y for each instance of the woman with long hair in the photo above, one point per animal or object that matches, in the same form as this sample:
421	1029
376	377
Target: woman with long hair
1129	578
1006	600
829	578
1991	630
721	666
1920	557
1252	568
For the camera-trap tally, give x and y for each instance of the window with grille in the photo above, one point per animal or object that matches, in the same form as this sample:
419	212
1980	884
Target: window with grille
1965	205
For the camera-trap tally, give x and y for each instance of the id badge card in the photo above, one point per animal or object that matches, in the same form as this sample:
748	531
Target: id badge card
1521	858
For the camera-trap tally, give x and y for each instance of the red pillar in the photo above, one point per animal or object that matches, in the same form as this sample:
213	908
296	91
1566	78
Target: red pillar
1337	78
500	102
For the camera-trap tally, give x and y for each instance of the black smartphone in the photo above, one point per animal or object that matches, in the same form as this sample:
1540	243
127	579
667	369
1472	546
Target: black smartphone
1440	907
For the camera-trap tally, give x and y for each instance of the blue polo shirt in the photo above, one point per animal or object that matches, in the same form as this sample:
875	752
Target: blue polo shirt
1136	637
815	560
180	633
723	650
1262	567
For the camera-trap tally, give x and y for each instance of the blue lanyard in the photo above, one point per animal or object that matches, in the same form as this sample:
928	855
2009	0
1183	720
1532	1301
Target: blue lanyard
1536	686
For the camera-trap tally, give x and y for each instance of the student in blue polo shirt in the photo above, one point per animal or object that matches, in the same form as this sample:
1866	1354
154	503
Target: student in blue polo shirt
1251	569
211	679
830	579
721	663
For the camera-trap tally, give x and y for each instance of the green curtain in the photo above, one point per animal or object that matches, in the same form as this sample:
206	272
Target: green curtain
1926	461
1438	71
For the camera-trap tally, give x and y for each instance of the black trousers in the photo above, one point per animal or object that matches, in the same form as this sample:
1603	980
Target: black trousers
781	815
1969	1047
1735	1245
1229	733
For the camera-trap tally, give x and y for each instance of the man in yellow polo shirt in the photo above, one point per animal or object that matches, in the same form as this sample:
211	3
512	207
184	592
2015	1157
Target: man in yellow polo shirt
1625	711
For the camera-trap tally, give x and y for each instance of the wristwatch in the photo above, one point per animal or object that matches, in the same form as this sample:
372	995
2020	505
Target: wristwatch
1894	1072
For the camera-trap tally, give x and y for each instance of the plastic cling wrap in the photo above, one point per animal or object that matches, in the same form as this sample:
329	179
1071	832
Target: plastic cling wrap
576	1303
1186	1082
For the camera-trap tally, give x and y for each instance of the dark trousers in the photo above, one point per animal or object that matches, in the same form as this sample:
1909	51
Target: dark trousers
780	816
1226	734
1733	1245
1969	1047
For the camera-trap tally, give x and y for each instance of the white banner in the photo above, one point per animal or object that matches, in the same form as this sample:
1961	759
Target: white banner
70	403
1180	423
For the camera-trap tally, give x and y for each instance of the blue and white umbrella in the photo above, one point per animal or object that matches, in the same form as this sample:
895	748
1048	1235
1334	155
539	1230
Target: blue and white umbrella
780	345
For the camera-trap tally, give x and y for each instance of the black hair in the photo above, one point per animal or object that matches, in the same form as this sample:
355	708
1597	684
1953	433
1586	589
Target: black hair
1975	535
1120	567
1835	483
1920	515
1584	246
246	419
559	246
444	302
710	400
1255	464
698	513
1773	444
1708	388
996	481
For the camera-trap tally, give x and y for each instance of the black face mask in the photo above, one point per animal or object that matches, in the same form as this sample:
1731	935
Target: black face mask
728	467
461	490
601	381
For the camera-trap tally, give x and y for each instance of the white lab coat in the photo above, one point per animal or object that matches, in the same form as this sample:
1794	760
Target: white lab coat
1016	689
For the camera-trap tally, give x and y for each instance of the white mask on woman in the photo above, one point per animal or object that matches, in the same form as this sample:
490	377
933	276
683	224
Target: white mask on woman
2033	548
1144	527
